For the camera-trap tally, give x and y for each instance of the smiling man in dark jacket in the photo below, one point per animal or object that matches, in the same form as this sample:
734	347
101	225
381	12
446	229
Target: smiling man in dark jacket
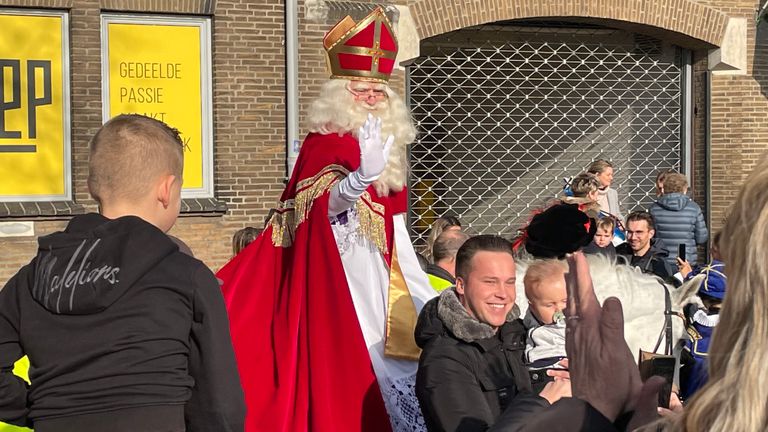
471	368
642	250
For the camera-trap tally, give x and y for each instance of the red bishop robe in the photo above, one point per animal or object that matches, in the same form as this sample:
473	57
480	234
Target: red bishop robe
303	362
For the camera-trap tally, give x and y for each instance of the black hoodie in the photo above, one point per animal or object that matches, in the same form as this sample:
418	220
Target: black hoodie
114	317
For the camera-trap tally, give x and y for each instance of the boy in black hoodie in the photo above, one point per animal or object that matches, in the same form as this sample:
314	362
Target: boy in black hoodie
123	331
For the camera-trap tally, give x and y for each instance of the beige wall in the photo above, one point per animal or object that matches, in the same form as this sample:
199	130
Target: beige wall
248	93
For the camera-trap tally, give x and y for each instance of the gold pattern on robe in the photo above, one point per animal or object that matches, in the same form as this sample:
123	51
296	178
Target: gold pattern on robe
308	190
371	215
282	224
291	213
401	316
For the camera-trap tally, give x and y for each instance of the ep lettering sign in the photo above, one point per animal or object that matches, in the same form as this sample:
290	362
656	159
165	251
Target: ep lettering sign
34	106
32	102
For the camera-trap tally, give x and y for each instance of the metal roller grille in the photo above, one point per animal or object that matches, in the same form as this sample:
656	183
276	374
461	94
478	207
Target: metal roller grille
505	112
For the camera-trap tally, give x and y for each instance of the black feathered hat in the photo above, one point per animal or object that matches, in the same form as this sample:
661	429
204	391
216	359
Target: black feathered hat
559	230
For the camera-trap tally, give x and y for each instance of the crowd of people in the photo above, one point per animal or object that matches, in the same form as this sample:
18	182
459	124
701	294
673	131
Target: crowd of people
328	319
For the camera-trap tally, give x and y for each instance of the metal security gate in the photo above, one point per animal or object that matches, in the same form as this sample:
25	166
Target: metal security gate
505	112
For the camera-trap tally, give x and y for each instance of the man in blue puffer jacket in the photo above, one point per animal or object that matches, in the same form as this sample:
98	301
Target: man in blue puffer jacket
679	220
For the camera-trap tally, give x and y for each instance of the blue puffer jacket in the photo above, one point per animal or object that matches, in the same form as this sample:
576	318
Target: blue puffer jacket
679	220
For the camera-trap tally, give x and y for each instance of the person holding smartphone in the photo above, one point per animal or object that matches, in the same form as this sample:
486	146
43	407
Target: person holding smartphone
679	220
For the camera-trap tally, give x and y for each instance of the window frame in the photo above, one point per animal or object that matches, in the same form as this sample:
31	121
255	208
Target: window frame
206	83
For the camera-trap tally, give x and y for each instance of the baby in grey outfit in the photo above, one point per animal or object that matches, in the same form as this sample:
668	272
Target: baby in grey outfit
545	288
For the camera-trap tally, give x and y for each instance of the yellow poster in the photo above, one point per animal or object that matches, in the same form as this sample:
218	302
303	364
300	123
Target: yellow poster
155	69
20	369
34	123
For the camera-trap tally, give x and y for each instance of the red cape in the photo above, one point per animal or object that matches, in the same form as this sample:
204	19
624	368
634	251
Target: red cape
303	362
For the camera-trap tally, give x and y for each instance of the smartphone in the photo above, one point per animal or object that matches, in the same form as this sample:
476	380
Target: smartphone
681	251
663	366
666	369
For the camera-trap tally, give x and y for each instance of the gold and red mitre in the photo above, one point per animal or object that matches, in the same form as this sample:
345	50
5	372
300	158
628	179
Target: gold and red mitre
364	51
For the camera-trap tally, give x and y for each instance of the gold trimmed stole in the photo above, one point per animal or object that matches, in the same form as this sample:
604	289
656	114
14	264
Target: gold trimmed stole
401	315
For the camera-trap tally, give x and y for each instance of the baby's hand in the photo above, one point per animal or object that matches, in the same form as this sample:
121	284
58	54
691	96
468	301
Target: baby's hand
563	363
554	390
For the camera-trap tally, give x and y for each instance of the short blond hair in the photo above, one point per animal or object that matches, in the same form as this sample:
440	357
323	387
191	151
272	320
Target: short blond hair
607	223
130	152
674	183
540	270
584	183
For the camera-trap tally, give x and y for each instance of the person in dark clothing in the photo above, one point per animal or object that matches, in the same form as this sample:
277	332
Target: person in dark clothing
442	274
124	331
678	220
603	241
471	368
641	249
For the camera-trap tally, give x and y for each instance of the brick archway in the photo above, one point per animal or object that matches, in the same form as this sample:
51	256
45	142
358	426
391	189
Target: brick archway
698	25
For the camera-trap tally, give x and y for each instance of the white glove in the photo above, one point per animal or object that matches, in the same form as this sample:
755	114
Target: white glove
373	152
373	160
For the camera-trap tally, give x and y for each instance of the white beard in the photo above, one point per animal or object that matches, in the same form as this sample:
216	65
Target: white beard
336	111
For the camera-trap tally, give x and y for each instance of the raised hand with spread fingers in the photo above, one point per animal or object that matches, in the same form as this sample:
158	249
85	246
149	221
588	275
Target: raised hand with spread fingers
373	151
374	154
603	371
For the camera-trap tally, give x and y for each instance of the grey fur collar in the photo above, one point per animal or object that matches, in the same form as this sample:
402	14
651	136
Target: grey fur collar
452	313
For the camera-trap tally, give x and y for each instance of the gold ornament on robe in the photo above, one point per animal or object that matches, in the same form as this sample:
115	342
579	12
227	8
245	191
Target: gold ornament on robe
292	213
401	316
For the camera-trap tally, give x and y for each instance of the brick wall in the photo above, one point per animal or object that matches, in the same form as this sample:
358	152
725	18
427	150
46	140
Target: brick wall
248	115
248	93
739	125
687	18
